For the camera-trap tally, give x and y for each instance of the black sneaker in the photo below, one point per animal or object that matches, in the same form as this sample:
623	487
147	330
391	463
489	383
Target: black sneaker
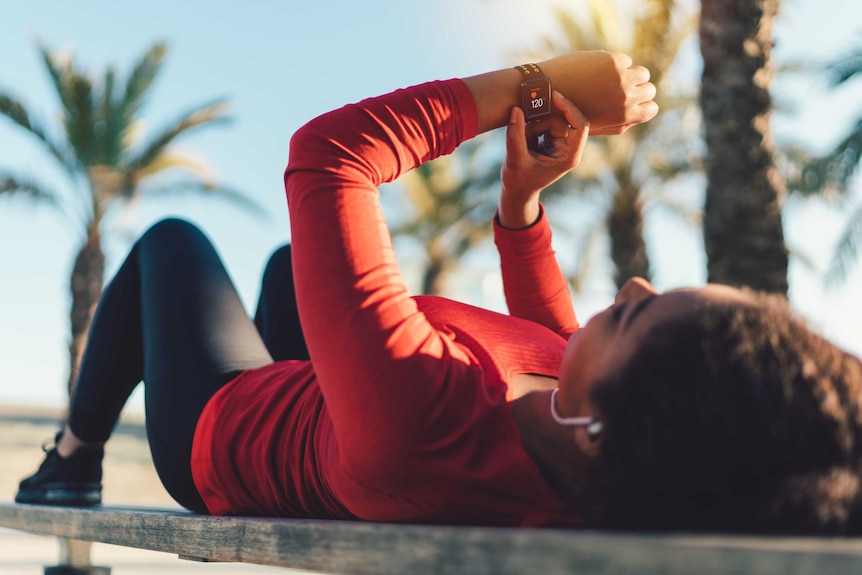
76	480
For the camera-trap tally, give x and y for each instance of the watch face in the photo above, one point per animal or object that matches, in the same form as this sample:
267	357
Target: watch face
536	98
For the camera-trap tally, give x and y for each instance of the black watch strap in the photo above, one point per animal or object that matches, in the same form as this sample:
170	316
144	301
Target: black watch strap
535	92
530	71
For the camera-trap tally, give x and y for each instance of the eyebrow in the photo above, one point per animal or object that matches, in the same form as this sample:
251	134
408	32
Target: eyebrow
638	308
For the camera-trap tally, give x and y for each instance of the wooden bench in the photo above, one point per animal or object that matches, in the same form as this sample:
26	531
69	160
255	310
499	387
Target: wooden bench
370	548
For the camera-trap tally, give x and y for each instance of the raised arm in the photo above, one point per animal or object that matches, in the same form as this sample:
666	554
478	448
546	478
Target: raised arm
382	368
595	93
384	371
534	285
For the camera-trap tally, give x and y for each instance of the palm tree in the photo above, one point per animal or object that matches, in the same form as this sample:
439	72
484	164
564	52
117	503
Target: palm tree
743	232
105	165
451	203
451	206
630	171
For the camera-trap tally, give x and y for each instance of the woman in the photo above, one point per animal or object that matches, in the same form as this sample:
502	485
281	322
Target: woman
427	410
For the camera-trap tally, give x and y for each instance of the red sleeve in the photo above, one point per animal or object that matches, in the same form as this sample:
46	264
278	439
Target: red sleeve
533	283
383	369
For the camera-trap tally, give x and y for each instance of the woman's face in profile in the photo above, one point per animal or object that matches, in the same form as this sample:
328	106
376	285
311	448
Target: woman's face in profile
610	337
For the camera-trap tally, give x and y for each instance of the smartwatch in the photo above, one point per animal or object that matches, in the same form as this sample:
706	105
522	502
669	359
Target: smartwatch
535	92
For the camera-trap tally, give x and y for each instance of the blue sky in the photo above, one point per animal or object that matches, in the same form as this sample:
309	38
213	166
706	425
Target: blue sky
282	63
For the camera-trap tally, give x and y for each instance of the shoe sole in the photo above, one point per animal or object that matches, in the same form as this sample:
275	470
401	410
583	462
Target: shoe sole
74	496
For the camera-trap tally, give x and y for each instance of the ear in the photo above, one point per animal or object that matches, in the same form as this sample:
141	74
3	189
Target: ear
589	446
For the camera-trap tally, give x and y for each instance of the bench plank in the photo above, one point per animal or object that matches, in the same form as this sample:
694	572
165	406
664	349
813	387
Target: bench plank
371	548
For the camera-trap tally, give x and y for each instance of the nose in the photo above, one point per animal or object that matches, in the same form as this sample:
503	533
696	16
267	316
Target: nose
635	289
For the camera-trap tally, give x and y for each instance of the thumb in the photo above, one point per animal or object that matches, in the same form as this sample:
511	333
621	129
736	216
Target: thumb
516	135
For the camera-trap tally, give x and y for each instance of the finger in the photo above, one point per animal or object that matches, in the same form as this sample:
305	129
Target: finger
578	139
639	74
644	92
573	115
646	111
516	137
611	130
579	126
641	113
558	127
536	128
623	60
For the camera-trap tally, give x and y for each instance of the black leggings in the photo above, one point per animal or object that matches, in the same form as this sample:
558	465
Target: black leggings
172	318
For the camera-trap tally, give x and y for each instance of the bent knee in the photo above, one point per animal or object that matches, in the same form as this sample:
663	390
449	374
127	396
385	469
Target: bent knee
171	231
279	263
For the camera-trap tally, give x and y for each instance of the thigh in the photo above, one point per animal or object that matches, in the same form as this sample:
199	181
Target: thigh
197	336
277	317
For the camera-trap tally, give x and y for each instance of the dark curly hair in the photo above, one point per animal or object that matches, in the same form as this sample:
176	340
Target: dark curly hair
735	418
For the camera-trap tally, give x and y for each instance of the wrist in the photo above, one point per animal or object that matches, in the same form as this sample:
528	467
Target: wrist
518	214
535	92
563	72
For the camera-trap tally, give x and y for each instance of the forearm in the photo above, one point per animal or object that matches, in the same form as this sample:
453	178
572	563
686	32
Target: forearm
603	85
533	283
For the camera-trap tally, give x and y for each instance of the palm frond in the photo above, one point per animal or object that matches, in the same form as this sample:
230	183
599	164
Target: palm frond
16	185
80	119
176	161
60	74
665	54
801	257
846	250
843	162
17	113
207	114
608	25
798	66
652	27
195	187
826	176
110	139
845	67
804	174
139	83
76	95
667	168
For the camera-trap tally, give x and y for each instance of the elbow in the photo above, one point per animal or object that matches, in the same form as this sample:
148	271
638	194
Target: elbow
306	143
312	153
330	146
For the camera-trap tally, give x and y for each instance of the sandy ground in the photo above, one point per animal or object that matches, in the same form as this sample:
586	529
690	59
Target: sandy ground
129	478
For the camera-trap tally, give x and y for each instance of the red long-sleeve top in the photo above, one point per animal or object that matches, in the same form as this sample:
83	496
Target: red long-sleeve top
401	414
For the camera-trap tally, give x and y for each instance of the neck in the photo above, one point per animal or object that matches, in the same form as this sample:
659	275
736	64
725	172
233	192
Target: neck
552	447
521	384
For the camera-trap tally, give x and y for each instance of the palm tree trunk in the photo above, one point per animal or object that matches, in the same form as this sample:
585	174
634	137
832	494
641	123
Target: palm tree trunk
432	278
86	286
625	228
743	233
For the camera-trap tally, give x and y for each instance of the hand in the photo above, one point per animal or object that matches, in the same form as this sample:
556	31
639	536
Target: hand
538	154
614	94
